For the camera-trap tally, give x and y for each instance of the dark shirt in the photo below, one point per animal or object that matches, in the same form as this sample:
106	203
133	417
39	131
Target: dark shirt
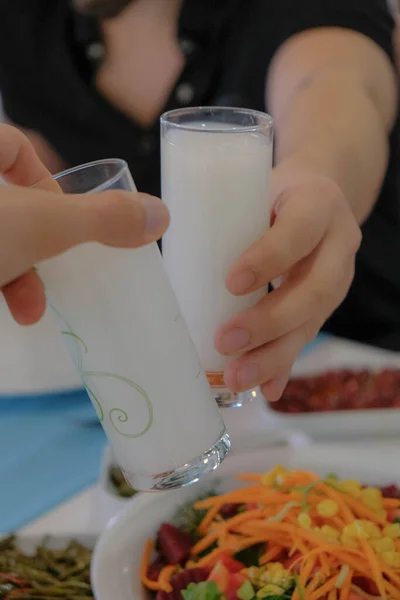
48	59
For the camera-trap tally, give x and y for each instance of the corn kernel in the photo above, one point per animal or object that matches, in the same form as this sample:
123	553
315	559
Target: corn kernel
392	531
253	574
372	498
304	520
277	573
270	590
349	541
386	544
350	486
330	532
371	530
327	508
349	530
271	477
382	514
392	559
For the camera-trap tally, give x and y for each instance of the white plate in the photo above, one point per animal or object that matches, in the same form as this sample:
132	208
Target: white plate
338	354
33	360
115	564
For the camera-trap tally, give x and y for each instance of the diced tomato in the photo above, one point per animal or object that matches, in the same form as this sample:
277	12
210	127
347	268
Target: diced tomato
236	580
251	505
227	582
220	575
230	563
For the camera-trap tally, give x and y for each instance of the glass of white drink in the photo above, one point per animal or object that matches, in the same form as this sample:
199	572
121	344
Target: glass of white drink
122	324
216	169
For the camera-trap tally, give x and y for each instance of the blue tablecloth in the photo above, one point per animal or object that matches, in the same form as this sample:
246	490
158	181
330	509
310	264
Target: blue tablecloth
50	449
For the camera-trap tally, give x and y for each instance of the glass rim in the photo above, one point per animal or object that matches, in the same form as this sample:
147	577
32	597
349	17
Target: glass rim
104	161
266	121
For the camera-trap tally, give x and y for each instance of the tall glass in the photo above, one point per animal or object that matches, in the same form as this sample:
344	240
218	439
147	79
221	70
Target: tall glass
122	324
216	169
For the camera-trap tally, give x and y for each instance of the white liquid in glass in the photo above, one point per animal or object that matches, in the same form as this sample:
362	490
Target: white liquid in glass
216	186
124	330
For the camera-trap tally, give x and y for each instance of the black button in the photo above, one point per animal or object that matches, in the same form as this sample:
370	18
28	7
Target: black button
184	93
147	144
96	52
187	46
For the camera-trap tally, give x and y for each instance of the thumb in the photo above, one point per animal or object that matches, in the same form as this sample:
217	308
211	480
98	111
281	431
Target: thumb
114	218
40	224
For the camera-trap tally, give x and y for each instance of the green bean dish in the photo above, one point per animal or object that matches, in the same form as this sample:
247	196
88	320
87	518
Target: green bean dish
46	574
118	483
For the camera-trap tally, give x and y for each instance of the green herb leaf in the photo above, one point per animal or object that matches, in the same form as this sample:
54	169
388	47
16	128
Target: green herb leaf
205	590
246	591
250	556
188	518
298	586
396	520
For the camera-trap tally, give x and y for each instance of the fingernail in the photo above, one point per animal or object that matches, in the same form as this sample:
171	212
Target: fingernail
274	389
157	215
242	281
234	340
248	375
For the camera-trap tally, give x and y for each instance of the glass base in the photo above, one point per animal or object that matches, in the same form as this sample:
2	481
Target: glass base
227	399
184	475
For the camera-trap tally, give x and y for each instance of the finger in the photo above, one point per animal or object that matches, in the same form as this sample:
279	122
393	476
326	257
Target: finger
320	284
301	222
273	390
25	298
47	224
19	163
269	362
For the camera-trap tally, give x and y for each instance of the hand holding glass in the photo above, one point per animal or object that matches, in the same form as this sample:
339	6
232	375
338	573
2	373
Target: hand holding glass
121	322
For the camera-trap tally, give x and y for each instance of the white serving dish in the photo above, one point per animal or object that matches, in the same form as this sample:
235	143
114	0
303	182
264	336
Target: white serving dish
115	564
33	360
335	354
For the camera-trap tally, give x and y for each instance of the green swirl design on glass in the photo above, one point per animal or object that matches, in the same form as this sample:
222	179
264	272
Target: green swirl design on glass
116	415
120	415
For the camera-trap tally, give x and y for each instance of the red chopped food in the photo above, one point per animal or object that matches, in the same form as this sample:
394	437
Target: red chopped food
174	544
156	567
181	580
230	510
390	491
341	390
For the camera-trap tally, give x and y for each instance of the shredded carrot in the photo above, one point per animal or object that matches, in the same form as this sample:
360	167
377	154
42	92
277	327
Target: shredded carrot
391	502
289	522
345	591
375	566
151	585
166	574
324	589
332	595
270	554
326	567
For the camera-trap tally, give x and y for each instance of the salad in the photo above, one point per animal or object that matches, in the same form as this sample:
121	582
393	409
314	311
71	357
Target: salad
284	535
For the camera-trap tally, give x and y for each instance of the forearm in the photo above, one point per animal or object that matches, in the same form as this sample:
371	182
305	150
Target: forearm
332	125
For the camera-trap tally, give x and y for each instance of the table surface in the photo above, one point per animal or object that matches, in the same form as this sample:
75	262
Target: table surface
82	514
